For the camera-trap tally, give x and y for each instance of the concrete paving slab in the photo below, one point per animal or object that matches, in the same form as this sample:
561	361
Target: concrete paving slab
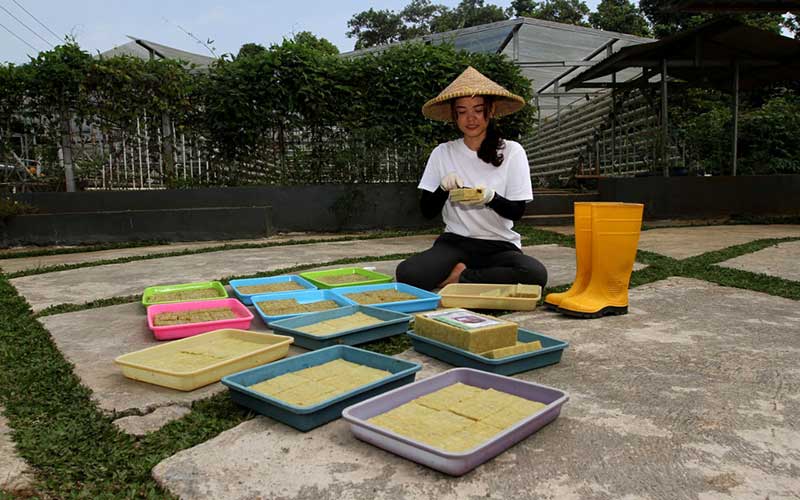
92	339
78	286
84	285
16	476
13	265
684	242
694	394
778	260
136	425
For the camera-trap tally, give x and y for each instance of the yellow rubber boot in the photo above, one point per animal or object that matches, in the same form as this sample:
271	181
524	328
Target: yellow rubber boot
583	251
615	238
583	255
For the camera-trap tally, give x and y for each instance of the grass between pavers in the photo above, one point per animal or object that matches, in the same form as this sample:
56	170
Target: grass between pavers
43	252
219	248
78	452
65	308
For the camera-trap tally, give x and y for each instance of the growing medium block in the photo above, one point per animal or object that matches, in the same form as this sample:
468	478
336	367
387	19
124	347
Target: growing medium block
466	194
519	348
466	330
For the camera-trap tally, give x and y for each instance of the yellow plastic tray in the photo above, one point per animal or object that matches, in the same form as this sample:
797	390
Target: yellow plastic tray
468	295
203	359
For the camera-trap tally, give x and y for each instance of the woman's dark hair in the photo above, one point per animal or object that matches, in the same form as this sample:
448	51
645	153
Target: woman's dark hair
492	145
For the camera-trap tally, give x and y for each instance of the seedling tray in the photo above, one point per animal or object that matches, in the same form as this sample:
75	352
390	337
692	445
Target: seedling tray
150	292
425	301
303	297
392	323
247	298
306	418
468	295
161	364
455	464
171	332
550	353
366	277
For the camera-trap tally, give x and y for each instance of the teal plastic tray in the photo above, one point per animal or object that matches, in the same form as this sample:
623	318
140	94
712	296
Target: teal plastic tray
306	418
147	296
366	277
550	353
392	323
423	301
303	297
247	298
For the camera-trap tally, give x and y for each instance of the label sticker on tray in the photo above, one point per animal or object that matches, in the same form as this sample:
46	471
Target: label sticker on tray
462	318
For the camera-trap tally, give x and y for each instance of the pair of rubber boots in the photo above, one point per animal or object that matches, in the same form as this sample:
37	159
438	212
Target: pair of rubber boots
606	238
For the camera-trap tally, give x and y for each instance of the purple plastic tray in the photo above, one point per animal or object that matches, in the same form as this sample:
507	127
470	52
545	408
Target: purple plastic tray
455	464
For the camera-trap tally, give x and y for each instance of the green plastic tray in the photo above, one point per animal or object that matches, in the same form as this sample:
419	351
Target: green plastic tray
147	296
365	276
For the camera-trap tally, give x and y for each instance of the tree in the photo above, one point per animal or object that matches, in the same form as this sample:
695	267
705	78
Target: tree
620	16
318	43
560	11
418	16
669	23
250	50
375	27
468	13
521	8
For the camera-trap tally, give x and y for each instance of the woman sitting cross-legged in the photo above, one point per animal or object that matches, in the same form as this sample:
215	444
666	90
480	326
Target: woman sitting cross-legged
478	244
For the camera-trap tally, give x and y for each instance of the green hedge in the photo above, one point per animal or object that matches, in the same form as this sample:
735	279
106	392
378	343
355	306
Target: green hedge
290	114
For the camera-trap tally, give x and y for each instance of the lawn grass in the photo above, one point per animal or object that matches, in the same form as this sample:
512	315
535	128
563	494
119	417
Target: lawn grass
220	248
76	450
65	308
43	252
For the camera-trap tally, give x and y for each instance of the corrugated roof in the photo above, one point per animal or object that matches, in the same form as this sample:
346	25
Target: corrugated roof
707	54
545	49
140	48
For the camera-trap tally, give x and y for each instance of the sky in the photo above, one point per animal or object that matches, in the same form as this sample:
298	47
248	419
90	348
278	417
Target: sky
101	25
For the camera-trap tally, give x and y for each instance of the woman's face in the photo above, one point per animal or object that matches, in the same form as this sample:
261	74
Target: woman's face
471	117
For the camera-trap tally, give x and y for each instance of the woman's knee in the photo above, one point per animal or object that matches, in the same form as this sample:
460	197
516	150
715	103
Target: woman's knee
402	273
534	273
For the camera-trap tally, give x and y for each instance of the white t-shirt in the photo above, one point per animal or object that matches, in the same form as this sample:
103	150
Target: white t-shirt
511	180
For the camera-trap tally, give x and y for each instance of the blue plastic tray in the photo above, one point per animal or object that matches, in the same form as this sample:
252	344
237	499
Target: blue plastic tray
306	418
247	298
550	353
303	297
425	300
393	323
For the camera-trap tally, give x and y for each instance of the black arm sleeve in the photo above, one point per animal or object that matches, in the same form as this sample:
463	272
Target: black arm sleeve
510	209
431	204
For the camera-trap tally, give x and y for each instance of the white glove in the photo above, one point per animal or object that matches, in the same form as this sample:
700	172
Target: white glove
451	181
488	195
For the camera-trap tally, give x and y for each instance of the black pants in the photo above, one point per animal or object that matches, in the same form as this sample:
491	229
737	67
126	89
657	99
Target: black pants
487	261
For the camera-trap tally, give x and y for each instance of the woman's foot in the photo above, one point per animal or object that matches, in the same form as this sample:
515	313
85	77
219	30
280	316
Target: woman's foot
455	275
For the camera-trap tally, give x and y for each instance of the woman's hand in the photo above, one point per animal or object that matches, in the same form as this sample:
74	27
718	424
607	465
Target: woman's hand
451	181
488	195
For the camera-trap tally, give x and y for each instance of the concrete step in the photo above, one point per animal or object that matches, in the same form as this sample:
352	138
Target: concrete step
547	220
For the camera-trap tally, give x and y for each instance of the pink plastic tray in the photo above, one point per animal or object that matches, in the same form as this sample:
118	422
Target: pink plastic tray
172	332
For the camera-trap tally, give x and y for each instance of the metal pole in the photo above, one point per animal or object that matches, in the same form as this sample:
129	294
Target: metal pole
558	103
735	114
664	117
139	145
66	149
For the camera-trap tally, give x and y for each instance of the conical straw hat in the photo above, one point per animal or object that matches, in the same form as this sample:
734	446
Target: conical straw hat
471	83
